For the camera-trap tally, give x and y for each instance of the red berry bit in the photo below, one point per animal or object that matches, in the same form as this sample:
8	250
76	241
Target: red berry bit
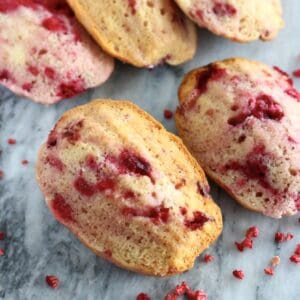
224	9
184	289
55	162
198	221
11	141
168	114
281	237
2	235
71	132
262	107
24	162
52	281
211	73
246	243
296	73
61	209
71	88
295	258
239	274
143	296
252	232
157	214
269	271
1	174
2	252
208	258
132	6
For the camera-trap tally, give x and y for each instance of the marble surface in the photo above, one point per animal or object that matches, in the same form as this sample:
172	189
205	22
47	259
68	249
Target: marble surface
36	245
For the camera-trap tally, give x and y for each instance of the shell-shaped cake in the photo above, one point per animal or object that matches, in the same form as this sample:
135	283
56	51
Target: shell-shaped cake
127	188
240	119
142	33
46	55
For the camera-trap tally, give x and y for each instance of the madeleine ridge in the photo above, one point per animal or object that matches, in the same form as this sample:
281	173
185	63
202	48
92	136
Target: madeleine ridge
127	188
240	119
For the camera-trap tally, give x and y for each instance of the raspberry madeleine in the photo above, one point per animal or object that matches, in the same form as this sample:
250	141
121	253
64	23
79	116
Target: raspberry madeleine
240	119
142	33
45	53
127	188
239	20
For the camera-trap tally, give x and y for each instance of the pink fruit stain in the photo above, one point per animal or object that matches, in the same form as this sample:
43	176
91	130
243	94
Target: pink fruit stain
54	24
262	107
197	222
71	88
61	209
224	9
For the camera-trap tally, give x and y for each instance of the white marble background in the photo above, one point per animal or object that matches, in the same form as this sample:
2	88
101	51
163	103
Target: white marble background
36	245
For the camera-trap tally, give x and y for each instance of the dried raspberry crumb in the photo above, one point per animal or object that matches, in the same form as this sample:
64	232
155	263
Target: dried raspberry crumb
252	232
1	174
281	237
25	162
295	258
208	258
246	243
2	235
143	296
182	289
298	219
239	274
296	73
11	141
269	271
2	252
52	281
168	114
289	236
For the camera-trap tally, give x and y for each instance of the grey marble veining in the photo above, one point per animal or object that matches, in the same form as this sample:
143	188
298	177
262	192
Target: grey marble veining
36	245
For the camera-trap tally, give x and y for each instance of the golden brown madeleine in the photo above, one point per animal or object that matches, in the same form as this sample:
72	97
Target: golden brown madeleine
127	188
240	119
142	33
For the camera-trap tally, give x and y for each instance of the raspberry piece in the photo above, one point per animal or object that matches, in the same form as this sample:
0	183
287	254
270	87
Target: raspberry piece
168	114
2	235
296	73
246	243
52	281
224	9
198	221
24	162
143	296
297	251
2	252
182	289
281	237
208	258
1	174
239	274
289	236
269	271
295	259
11	141
252	232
